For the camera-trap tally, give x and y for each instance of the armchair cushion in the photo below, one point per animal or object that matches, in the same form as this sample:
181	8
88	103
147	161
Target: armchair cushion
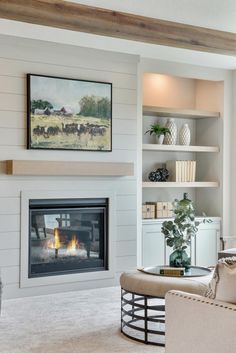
195	324
223	284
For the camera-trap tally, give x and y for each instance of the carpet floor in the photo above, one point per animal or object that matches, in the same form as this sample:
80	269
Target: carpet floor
74	322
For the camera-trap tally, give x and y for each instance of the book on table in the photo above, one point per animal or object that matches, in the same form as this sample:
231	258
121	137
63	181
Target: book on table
172	271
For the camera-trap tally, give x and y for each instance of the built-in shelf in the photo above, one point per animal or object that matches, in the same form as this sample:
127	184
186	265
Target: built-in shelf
161	220
179	148
173	184
178	113
62	168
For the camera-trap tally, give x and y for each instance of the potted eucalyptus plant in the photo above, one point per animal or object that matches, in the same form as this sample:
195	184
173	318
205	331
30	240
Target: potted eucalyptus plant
178	233
159	131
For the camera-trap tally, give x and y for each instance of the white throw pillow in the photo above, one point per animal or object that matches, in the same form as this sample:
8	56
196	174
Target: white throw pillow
223	284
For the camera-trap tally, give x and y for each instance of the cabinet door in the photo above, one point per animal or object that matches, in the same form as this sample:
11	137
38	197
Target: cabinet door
153	246
207	246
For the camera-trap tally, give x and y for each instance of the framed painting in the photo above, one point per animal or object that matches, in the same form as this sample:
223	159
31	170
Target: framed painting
68	114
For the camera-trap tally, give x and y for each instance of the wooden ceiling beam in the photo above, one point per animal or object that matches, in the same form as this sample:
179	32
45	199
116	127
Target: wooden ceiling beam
82	18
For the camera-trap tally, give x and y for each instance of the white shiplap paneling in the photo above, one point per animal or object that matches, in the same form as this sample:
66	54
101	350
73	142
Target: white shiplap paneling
9	240
17	58
9	257
126	233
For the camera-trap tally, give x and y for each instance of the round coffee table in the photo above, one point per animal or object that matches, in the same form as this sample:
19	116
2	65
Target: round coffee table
142	300
193	271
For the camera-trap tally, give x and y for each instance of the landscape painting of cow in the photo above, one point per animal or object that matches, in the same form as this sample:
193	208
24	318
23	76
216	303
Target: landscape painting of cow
69	114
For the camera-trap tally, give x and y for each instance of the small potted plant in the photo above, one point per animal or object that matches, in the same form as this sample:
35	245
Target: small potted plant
159	131
178	233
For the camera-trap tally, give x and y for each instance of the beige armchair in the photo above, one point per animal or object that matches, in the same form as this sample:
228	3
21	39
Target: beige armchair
195	324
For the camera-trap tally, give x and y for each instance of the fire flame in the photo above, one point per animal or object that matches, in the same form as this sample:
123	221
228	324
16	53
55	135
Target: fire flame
50	244
73	244
57	243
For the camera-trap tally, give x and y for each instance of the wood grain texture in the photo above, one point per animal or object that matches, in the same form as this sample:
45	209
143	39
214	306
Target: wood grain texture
82	18
57	168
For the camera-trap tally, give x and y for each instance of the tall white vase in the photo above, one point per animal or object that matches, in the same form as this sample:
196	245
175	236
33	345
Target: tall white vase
185	135
171	139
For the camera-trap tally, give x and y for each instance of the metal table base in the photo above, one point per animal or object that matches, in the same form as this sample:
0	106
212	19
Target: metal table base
143	318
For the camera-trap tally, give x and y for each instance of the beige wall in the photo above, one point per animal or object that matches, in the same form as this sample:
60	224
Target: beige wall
168	91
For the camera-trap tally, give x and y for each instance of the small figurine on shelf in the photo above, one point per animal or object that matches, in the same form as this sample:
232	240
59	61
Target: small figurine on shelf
159	131
161	174
153	176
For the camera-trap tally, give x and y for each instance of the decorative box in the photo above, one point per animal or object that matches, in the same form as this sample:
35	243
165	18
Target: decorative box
163	209
148	211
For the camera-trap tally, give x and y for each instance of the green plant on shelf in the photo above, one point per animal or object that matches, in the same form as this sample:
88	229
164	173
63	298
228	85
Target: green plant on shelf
158	130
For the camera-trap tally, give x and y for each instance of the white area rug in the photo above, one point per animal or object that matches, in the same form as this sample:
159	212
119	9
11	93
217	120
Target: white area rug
74	322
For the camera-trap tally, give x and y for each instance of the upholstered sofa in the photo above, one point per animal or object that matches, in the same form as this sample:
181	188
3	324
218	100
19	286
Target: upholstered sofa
195	324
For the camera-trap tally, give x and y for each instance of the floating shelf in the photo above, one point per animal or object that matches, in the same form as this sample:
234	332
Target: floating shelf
178	113
173	184
179	148
62	168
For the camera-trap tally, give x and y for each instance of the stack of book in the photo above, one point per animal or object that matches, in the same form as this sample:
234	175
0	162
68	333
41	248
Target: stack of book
181	171
172	271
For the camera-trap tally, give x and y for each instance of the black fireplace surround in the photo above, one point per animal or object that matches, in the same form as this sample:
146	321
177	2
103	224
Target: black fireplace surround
67	236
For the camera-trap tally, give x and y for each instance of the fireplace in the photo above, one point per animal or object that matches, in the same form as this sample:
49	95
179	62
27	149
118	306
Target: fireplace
67	236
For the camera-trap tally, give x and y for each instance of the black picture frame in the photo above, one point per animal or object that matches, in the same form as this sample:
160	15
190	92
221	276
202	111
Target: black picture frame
54	127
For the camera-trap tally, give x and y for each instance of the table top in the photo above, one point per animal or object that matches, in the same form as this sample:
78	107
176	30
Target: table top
193	271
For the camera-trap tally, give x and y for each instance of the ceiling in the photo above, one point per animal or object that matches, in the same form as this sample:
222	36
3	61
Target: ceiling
216	14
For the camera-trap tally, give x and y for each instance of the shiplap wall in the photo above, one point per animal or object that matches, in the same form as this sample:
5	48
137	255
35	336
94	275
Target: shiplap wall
21	56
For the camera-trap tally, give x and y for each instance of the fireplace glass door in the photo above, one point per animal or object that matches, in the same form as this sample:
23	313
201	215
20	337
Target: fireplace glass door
67	236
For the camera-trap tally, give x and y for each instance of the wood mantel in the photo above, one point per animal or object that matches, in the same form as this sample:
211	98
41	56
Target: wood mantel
82	18
64	168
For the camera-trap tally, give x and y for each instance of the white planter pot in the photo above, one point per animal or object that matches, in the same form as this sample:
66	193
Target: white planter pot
185	135
159	139
171	139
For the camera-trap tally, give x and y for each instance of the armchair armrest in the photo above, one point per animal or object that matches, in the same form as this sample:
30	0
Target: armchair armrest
199	325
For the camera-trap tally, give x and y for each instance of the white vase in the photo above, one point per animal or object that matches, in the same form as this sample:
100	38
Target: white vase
159	139
170	139
185	135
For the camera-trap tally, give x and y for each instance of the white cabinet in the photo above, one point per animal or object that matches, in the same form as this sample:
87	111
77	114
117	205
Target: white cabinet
204	247
207	244
153	244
